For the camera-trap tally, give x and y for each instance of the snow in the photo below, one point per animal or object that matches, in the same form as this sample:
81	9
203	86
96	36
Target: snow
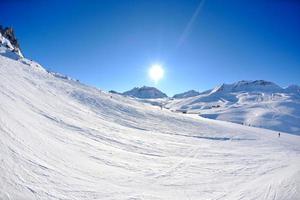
253	86
60	139
293	89
145	92
190	93
252	103
7	49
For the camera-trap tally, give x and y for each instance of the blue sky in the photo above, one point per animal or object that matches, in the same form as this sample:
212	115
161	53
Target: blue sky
111	44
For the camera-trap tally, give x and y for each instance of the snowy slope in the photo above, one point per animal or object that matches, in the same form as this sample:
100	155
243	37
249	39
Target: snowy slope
255	103
60	139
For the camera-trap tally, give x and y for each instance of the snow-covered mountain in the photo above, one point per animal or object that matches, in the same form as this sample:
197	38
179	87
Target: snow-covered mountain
248	86
293	89
9	45
254	103
145	92
190	93
61	139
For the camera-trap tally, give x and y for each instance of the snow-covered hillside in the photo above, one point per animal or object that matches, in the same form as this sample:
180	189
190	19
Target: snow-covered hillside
253	103
60	139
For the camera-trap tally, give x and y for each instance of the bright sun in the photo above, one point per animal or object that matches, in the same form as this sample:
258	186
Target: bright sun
156	72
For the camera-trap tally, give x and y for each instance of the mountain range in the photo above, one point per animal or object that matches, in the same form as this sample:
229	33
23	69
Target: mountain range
147	92
256	103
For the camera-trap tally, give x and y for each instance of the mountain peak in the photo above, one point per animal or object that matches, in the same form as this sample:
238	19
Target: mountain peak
293	89
9	34
190	93
257	85
145	92
9	41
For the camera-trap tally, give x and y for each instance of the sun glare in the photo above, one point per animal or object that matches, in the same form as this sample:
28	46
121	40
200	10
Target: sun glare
156	72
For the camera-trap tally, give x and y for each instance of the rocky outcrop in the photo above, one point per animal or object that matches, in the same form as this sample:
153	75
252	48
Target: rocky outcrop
9	34
8	40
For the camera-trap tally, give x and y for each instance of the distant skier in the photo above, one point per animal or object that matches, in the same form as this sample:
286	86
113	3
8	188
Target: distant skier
278	134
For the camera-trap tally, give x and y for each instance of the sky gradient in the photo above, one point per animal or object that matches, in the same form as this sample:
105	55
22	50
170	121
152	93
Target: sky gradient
201	44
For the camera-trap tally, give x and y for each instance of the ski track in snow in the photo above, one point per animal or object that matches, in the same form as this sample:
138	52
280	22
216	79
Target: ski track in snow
60	139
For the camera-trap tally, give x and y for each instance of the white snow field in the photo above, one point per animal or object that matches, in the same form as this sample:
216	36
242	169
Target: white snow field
60	139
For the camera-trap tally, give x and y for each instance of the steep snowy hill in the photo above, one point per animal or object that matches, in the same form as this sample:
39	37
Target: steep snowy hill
60	139
255	103
145	93
190	93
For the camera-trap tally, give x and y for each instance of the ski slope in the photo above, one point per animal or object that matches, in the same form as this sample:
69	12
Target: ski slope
60	139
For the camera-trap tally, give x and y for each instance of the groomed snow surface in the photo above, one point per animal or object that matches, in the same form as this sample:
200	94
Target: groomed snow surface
60	139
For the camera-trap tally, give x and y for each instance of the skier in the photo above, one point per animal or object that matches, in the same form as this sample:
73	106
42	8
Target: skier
279	134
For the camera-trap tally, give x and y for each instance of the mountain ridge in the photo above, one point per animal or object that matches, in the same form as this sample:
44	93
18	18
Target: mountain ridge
145	92
238	86
189	93
253	103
